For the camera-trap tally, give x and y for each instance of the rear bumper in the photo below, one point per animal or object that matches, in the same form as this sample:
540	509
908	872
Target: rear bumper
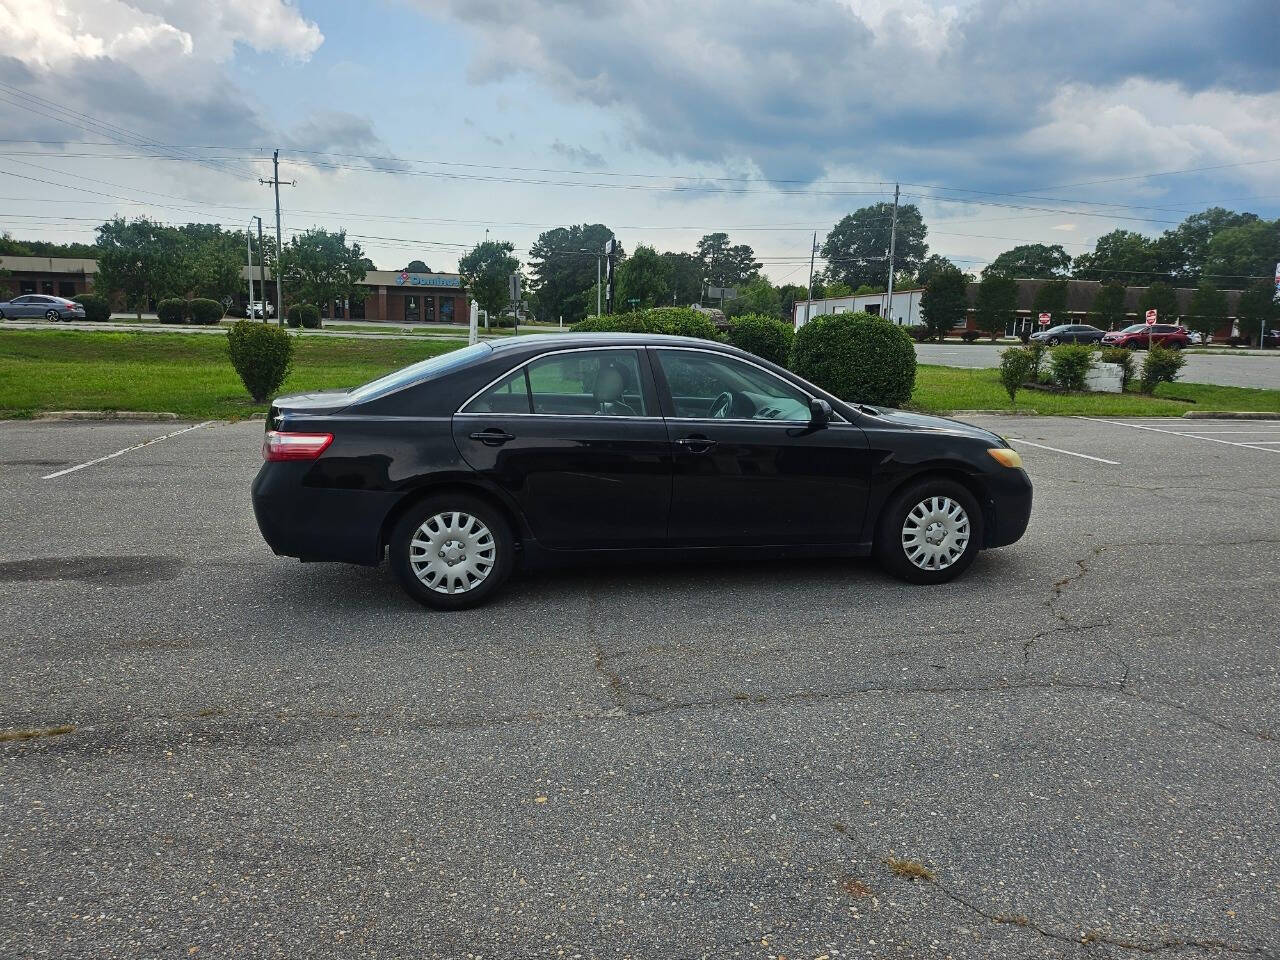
1008	508
318	524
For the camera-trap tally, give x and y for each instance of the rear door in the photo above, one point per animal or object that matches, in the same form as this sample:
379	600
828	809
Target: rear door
748	469
576	439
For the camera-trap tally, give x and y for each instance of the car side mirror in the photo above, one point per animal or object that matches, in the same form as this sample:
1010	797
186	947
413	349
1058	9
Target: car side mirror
819	413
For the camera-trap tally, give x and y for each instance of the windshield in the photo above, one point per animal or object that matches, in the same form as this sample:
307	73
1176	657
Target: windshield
423	370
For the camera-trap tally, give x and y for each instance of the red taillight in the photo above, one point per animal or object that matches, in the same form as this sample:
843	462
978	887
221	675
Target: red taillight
294	446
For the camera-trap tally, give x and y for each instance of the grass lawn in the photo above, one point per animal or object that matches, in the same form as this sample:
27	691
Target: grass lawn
192	377
181	373
942	389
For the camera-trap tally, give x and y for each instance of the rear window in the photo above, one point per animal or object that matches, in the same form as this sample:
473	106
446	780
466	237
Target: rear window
416	373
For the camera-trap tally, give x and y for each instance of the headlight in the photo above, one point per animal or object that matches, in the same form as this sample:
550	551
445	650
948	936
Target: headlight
1006	456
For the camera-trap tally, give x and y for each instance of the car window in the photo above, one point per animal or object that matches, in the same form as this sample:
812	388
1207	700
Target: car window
587	383
703	382
1134	328
508	395
423	370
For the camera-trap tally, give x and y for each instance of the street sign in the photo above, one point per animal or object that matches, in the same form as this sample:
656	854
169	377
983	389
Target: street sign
1277	296
1044	319
513	287
1151	317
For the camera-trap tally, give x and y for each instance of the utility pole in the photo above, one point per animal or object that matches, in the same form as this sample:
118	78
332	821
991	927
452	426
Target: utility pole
262	270
597	284
275	182
248	249
808	304
610	247
893	239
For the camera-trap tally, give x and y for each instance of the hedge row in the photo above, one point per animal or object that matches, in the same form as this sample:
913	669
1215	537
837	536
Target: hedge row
198	311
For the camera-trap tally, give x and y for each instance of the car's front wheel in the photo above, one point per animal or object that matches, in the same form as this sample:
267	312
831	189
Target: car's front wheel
929	532
452	551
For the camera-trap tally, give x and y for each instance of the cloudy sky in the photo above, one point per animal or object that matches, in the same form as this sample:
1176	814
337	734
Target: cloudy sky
417	124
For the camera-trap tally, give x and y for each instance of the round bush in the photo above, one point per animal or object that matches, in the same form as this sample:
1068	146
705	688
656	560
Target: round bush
293	315
172	310
969	336
1161	365
858	357
766	337
205	312
303	315
97	308
262	354
1069	364
675	321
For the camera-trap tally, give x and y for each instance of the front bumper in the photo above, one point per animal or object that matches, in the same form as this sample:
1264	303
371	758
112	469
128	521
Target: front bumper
1008	507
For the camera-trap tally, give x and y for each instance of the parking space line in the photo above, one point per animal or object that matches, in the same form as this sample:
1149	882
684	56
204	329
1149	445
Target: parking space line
1069	453
1175	433
120	453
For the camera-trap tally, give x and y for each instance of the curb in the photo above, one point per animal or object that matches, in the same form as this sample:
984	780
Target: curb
1230	415
143	415
1024	412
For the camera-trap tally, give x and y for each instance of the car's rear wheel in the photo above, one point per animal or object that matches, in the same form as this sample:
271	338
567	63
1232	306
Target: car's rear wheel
1054	341
452	551
929	532
52	316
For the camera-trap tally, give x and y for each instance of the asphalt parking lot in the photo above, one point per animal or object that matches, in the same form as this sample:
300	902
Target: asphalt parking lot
1078	740
1237	369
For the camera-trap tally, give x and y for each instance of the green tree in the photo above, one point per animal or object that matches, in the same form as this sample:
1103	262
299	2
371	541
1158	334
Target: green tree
139	258
788	294
857	248
1126	256
934	265
1257	310
725	265
417	266
757	296
836	288
486	271
319	266
684	279
1162	298
211	259
1237	256
1031	261
944	302
1187	246
1208	310
643	279
1108	310
563	267
1051	298
995	305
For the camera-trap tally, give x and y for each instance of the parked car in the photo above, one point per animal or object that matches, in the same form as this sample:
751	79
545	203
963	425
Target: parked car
41	305
536	450
256	307
1068	333
1195	338
1138	336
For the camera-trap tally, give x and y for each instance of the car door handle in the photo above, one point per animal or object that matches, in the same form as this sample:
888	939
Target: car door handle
697	444
493	437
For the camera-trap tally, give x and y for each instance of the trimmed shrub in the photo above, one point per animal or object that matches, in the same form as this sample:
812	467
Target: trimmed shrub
1123	358
97	308
917	332
1016	367
205	312
969	336
1070	364
858	357
766	337
676	321
262	354
310	315
172	310
1161	365
293	315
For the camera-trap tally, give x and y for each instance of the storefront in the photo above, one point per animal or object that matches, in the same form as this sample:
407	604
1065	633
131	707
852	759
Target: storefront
396	296
53	276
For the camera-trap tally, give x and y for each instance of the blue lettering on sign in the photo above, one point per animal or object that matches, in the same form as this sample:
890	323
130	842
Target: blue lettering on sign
424	280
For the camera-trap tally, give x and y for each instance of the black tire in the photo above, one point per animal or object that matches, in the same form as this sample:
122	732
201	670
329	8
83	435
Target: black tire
399	550
889	549
52	316
1054	341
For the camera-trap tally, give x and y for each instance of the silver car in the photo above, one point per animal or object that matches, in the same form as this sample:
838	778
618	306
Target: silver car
41	305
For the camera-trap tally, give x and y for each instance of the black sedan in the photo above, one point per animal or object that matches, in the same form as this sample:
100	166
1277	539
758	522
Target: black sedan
1068	333
542	448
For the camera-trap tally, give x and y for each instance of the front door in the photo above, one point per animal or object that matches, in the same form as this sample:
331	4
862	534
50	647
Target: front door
748	469
575	439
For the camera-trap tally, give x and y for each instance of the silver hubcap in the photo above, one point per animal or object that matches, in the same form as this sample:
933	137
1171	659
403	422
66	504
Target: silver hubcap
452	552
935	533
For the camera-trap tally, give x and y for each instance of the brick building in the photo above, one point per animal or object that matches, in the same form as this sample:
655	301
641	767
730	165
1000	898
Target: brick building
51	276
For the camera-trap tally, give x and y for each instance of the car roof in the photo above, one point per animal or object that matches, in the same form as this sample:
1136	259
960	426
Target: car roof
541	342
